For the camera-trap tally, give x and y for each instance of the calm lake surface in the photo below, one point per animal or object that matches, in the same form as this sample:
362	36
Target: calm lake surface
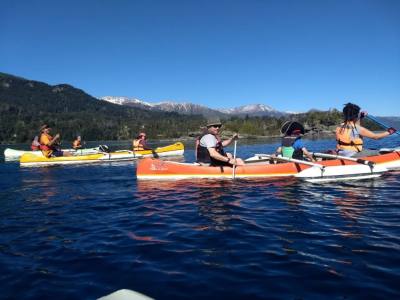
81	232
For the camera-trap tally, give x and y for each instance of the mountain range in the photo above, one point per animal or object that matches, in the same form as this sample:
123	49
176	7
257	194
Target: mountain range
186	108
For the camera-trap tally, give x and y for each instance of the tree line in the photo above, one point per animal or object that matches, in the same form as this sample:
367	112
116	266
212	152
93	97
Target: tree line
25	105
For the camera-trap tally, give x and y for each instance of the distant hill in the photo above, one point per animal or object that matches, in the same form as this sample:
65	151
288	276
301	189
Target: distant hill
26	104
390	121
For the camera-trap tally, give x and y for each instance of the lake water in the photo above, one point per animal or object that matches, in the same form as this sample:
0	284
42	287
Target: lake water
81	232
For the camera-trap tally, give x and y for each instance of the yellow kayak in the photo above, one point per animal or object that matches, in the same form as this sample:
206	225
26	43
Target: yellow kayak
29	159
170	150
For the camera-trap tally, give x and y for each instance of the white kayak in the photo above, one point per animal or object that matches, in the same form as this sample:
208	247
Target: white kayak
13	154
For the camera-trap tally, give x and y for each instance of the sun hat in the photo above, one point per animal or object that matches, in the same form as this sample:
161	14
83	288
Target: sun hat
212	122
292	127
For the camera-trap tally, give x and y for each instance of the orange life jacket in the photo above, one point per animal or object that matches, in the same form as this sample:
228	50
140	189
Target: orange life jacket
137	146
76	144
43	146
348	138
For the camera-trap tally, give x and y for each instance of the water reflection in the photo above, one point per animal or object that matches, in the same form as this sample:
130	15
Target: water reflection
353	199
42	182
213	199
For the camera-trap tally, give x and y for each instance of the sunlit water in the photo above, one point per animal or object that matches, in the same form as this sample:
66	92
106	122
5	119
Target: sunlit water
81	232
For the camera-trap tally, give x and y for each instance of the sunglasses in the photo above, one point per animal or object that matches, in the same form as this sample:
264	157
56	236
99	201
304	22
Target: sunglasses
216	126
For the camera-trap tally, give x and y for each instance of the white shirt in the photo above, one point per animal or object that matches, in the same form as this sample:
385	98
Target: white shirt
209	141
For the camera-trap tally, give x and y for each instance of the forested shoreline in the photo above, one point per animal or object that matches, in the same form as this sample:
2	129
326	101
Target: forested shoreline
25	105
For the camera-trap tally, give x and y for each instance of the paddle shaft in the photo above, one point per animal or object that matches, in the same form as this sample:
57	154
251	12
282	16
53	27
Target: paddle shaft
379	122
297	161
357	160
234	160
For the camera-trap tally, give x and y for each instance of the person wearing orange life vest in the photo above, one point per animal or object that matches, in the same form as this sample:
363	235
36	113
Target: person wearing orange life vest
77	143
139	143
350	134
48	143
35	145
210	149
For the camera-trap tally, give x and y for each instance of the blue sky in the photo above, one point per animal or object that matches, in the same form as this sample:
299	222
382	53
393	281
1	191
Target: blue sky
291	55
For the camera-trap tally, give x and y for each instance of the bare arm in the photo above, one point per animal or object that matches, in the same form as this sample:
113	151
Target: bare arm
369	134
144	145
229	141
278	151
214	154
307	154
54	140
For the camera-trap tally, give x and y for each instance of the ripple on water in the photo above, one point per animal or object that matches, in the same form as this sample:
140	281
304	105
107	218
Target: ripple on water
80	232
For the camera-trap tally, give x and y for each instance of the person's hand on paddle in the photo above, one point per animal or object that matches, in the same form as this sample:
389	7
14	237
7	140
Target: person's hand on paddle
363	114
391	130
235	136
55	140
236	162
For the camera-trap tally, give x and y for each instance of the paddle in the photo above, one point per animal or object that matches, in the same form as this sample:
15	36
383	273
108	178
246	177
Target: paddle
155	155
321	173
234	160
335	156
380	123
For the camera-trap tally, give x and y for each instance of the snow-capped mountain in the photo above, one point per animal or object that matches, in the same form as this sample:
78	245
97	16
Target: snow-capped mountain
195	109
188	109
252	110
125	101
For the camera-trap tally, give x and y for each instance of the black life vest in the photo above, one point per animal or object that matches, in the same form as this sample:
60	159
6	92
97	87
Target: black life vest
203	156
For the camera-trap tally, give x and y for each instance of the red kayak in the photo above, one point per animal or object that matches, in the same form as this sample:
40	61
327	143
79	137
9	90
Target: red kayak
366	167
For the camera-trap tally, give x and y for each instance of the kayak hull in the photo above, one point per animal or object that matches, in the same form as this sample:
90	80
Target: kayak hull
13	154
155	169
30	159
176	149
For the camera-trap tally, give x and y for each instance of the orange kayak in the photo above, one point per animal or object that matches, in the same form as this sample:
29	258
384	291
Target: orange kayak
150	168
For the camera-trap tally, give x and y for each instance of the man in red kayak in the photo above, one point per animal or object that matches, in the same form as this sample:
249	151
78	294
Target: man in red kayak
210	150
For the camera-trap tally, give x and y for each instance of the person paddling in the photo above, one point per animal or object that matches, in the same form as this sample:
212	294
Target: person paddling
210	150
292	146
140	143
77	143
35	145
48	143
350	134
